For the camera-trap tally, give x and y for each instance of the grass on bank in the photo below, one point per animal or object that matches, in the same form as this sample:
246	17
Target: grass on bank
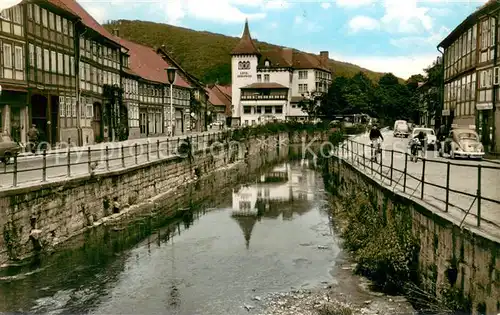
386	252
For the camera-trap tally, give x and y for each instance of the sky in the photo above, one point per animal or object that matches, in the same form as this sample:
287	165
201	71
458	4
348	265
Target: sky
398	36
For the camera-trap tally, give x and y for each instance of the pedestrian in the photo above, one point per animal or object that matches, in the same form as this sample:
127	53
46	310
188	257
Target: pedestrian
33	136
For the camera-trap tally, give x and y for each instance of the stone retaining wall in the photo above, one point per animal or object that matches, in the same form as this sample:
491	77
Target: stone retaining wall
451	259
38	218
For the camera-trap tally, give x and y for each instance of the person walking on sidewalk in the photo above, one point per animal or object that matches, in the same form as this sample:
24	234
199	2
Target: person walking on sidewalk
33	136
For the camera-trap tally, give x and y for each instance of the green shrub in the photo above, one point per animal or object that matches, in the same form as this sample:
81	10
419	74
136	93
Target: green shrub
385	251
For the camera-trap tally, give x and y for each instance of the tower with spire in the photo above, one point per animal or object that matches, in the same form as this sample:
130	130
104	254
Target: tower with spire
244	61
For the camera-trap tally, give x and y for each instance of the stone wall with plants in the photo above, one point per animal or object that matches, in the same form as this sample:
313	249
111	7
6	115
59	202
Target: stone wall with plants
406	247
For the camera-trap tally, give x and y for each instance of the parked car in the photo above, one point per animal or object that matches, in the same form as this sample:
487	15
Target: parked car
462	143
431	136
8	148
401	129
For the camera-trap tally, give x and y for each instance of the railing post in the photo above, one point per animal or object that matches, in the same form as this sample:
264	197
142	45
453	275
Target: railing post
381	164
479	195
107	158
135	153
423	180
404	172
448	166
69	160
123	156
89	160
147	150
158	149
178	144
14	175
392	165
168	146
44	166
364	157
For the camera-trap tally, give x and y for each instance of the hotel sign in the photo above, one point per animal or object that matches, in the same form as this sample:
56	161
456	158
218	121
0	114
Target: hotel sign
244	74
484	106
445	112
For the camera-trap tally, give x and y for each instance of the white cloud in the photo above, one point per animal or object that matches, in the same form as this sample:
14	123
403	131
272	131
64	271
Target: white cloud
406	16
412	42
222	11
362	22
401	66
273	25
351	4
325	5
97	12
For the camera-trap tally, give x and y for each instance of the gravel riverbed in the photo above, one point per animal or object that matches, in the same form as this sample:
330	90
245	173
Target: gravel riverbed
349	295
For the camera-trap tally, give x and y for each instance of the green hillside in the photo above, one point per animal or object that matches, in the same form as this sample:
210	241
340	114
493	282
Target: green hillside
204	54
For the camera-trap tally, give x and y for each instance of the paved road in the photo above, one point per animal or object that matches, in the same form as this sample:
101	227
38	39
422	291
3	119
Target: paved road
29	168
463	178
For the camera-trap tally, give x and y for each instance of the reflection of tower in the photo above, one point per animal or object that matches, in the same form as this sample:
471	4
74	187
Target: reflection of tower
174	291
246	224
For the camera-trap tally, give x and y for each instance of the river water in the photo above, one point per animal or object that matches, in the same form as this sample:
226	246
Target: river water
269	235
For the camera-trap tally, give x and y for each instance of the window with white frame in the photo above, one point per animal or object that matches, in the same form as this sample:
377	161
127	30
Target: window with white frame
259	77
18	53
302	88
46	60
53	62
32	55
7	55
17	15
302	75
266	78
58	23
60	63
44	18
66	65
51	21
39	57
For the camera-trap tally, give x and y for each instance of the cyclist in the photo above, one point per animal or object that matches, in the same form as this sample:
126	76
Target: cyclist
421	137
375	135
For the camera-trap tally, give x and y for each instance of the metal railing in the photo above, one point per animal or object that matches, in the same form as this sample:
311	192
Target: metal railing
62	164
468	189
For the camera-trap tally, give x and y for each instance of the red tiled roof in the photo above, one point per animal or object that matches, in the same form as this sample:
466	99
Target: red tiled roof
246	45
217	97
226	89
286	57
87	19
266	85
146	63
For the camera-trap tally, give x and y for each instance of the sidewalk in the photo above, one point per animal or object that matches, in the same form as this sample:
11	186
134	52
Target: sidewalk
117	144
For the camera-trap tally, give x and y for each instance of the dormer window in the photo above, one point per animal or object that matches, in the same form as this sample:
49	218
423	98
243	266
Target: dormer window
267	63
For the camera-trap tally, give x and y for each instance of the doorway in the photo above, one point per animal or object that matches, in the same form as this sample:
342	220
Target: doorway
97	122
54	115
39	116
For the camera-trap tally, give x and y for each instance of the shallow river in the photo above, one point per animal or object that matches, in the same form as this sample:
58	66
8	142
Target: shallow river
271	235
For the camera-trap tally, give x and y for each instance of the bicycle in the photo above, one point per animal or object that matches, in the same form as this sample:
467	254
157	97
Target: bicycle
415	147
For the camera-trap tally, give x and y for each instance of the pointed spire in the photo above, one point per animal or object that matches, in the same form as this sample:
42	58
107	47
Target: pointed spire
246	46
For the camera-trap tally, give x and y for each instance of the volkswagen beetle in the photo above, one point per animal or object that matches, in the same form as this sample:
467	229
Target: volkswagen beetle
8	148
462	143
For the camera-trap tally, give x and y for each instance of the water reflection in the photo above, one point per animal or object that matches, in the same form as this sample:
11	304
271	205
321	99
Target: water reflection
198	264
283	191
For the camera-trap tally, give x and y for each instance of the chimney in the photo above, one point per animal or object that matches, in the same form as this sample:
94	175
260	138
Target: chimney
323	56
288	55
116	32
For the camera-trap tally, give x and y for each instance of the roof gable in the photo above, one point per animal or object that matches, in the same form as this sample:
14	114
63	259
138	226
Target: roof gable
146	63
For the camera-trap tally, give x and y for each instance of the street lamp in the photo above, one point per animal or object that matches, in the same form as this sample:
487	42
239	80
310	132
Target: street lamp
171	72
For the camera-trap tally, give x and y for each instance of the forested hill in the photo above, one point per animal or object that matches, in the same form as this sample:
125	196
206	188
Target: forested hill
204	54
